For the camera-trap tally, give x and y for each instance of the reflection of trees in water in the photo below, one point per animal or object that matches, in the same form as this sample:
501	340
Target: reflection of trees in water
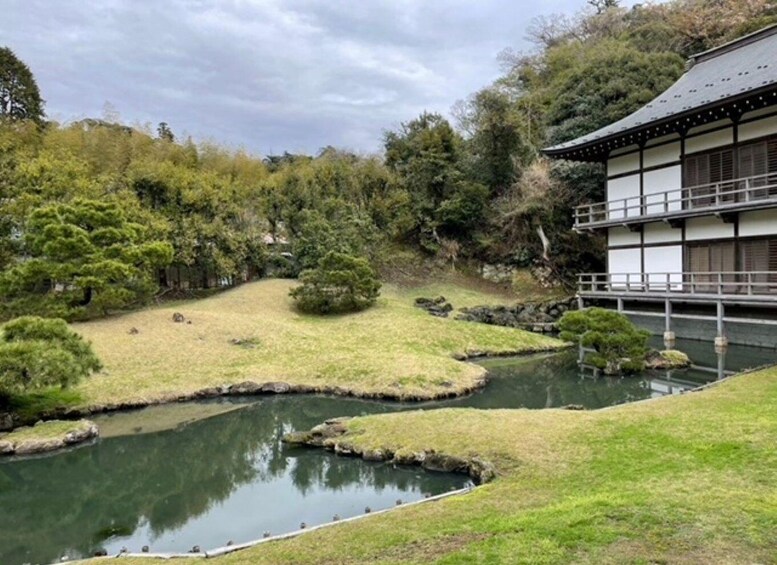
167	478
552	381
66	500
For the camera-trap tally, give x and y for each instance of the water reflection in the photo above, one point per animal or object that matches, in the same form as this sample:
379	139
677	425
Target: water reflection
223	478
230	478
547	381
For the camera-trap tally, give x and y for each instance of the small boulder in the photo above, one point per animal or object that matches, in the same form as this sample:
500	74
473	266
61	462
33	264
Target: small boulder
438	307
373	455
246	387
276	387
613	367
30	446
6	421
5	447
667	359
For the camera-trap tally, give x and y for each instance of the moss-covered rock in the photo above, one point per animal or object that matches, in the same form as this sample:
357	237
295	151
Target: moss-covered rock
47	436
667	359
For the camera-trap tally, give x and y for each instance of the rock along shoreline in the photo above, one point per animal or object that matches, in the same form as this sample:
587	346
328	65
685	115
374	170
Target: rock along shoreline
330	436
78	432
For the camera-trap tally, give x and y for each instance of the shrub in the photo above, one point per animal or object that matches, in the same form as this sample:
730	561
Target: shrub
619	345
38	353
340	283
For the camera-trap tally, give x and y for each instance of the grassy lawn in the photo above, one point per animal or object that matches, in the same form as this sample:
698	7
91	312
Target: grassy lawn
392	348
684	479
44	430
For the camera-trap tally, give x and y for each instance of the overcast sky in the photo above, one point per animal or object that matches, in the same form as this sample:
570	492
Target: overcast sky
266	75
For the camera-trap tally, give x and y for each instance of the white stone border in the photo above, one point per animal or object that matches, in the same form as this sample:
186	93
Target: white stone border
224	550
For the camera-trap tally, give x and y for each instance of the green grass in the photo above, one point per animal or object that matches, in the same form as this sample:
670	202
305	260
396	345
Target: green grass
28	406
44	430
683	479
392	348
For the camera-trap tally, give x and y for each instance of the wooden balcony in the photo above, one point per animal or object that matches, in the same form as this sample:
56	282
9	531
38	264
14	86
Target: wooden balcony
722	199
736	287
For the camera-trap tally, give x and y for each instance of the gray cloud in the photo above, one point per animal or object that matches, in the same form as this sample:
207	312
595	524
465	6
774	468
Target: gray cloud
268	75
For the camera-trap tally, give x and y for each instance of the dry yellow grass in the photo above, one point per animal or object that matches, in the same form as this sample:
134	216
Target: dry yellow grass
392	348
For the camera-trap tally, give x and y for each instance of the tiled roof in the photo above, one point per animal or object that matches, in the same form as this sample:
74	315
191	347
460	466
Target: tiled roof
715	77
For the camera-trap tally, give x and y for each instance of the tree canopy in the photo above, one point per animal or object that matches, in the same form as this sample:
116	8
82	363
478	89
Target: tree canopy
19	95
182	215
82	257
39	353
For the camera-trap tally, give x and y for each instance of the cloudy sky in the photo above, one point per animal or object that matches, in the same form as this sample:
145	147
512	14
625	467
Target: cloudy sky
266	75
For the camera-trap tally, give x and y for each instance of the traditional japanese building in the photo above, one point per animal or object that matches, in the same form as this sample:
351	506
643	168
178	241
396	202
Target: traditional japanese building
690	213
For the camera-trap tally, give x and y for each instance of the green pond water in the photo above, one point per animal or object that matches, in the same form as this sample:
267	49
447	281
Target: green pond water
208	473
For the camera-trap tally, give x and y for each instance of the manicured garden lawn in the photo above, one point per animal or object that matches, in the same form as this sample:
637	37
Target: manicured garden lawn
392	348
684	479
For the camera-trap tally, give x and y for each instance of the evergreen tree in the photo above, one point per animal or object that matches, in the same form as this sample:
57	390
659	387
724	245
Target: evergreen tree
82	259
39	353
19	95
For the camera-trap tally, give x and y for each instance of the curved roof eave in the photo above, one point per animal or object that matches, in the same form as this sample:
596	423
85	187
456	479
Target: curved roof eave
716	79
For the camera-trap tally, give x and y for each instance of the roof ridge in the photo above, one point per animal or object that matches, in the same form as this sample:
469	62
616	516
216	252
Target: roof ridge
732	45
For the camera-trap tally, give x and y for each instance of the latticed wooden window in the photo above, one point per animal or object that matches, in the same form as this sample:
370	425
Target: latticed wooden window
706	175
710	263
706	261
758	258
753	164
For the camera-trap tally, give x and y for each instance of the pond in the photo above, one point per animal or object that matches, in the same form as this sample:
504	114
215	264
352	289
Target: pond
176	476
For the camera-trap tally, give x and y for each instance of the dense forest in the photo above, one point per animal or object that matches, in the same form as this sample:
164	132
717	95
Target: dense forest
98	216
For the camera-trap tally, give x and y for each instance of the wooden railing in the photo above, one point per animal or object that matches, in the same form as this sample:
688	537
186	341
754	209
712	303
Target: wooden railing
735	193
721	283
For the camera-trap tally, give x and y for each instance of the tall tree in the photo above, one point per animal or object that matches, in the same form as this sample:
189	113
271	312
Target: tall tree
496	142
19	95
164	132
602	6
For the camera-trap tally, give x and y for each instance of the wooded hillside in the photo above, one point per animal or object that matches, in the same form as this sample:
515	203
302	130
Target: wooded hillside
98	216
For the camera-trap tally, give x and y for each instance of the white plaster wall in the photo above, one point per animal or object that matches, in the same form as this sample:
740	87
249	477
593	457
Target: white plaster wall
624	262
623	188
664	266
622	236
759	128
662	139
709	126
624	150
655	156
660	181
707	228
659	232
623	164
756	113
709	140
761	222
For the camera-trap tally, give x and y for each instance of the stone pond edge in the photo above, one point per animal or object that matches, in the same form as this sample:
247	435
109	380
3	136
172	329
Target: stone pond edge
328	436
33	446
